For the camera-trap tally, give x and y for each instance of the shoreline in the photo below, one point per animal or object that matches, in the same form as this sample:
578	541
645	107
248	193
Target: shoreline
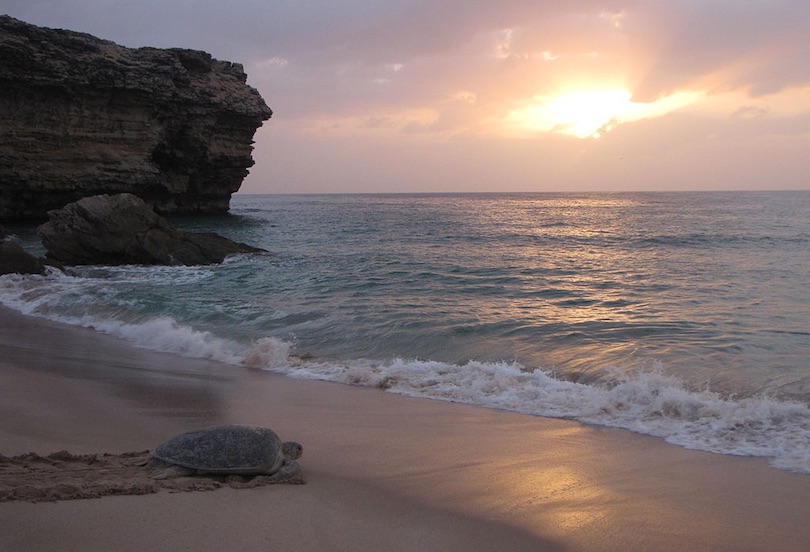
384	471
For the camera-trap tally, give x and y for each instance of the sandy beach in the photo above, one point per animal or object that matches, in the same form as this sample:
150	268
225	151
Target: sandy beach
384	472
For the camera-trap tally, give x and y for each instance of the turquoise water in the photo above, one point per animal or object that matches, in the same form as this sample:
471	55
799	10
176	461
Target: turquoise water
683	315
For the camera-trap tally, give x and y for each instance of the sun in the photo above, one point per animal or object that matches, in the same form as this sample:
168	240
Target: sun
584	114
588	113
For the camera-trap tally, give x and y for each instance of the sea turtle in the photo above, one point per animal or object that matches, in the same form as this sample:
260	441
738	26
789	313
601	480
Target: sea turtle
228	450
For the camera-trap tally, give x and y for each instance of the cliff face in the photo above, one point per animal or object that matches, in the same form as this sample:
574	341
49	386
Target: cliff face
80	116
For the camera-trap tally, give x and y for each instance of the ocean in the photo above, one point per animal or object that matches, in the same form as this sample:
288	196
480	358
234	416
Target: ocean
680	315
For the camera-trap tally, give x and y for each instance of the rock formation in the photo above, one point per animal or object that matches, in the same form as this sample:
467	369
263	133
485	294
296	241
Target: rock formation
81	116
15	259
122	229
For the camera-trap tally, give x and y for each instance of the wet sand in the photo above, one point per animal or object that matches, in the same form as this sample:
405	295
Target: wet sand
383	472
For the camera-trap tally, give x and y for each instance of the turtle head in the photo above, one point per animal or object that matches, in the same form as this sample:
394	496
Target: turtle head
292	450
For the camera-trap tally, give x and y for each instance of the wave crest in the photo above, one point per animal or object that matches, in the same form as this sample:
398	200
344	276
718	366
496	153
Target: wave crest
648	403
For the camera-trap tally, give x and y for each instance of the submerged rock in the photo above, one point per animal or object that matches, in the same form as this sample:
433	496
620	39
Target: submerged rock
122	229
81	116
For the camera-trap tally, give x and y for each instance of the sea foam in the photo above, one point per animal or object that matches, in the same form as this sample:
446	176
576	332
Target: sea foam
649	403
62	298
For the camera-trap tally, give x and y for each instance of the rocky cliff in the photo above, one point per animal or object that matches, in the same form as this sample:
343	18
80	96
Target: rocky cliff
81	116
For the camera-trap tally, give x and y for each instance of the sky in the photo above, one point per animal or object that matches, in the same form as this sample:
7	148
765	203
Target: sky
484	96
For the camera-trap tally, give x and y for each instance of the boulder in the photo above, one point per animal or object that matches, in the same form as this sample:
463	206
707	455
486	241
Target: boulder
15	259
81	116
123	229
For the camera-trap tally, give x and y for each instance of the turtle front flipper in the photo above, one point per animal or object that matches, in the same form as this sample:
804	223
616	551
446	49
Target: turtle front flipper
289	473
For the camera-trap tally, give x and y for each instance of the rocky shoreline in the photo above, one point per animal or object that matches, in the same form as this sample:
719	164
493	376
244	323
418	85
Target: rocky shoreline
115	230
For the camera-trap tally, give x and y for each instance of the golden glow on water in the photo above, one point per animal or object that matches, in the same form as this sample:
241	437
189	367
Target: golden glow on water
557	481
571	501
572	288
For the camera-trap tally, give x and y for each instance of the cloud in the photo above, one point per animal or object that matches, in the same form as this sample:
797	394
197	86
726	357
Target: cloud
758	46
659	45
510	52
405	79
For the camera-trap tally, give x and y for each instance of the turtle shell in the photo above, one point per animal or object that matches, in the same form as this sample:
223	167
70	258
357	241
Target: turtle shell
225	449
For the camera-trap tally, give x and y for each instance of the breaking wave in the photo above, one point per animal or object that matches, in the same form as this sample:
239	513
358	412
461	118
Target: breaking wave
649	403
